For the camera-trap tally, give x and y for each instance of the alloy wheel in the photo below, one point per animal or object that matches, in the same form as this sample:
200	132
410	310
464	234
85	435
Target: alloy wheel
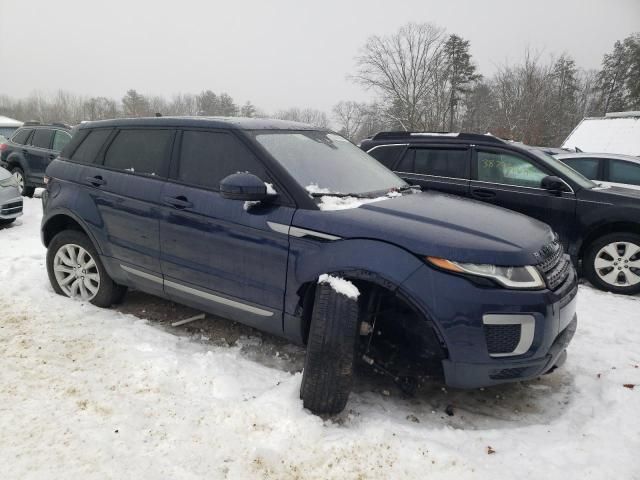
76	272
618	264
20	179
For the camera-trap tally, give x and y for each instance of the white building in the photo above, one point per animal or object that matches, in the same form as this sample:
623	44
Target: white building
8	126
617	132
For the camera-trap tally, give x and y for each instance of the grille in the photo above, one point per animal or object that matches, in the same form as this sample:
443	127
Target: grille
554	264
508	373
13	207
502	338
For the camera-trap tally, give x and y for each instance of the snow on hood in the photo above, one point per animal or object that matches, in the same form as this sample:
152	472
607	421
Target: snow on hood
332	202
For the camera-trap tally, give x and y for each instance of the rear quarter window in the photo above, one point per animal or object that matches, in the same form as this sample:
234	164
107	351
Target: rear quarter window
387	154
21	136
42	138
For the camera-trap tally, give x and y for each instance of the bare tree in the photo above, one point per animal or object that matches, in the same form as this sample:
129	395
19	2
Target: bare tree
350	116
401	68
311	116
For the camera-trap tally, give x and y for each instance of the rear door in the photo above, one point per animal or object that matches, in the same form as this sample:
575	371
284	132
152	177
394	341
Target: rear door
511	180
217	254
126	192
38	154
444	168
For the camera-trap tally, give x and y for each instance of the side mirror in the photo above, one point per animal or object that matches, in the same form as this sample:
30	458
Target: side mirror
554	184
243	186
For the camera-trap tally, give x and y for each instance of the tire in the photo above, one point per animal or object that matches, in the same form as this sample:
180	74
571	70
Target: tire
89	275
615	252
9	221
25	190
328	367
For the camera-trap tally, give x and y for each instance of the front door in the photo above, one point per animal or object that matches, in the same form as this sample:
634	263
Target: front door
217	254
510	180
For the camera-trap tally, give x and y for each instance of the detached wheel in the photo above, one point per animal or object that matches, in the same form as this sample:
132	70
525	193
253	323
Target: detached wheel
25	191
75	270
612	263
328	367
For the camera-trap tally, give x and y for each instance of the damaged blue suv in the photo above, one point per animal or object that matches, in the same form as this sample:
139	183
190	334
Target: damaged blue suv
296	231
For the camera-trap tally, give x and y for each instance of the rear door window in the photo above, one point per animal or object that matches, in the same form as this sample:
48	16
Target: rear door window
442	162
387	154
624	172
60	140
208	157
21	136
141	151
87	151
589	167
42	138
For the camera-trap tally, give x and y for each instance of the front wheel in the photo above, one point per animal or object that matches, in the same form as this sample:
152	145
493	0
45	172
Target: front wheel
328	367
612	263
75	270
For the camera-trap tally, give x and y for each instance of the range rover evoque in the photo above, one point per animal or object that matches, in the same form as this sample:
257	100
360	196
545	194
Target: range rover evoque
259	220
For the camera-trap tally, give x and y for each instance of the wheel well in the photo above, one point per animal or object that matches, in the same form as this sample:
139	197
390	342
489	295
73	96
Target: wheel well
617	227
398	328
56	225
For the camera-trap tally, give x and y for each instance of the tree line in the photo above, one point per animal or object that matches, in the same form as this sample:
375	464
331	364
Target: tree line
423	79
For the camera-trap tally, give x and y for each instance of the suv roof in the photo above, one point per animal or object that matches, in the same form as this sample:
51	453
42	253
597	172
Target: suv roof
237	123
383	138
34	124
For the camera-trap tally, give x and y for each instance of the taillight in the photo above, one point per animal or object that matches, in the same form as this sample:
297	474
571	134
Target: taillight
3	147
47	180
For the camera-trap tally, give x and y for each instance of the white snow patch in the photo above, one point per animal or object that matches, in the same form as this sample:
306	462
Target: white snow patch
340	285
315	188
270	189
92	393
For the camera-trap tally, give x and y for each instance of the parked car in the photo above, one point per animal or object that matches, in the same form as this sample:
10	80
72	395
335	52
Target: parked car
313	241
599	227
29	151
606	168
10	199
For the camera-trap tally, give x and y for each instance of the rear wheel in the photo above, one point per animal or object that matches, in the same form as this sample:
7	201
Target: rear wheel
25	190
612	263
75	270
328	368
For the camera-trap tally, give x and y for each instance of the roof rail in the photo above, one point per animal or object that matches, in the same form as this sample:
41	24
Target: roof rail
473	137
31	122
60	124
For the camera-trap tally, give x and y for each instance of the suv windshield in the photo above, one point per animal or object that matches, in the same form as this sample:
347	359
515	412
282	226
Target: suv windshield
326	163
566	170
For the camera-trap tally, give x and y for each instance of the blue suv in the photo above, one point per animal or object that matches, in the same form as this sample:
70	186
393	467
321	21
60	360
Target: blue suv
296	231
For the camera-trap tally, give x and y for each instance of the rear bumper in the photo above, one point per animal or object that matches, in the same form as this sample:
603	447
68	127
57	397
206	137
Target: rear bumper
459	308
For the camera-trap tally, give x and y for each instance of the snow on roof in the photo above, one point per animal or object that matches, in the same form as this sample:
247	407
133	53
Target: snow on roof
615	133
9	122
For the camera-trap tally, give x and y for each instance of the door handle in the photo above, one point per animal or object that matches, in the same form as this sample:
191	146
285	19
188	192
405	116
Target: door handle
180	202
25	151
96	181
52	156
483	193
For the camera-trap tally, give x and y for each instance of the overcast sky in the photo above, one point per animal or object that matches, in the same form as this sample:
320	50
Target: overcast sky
278	54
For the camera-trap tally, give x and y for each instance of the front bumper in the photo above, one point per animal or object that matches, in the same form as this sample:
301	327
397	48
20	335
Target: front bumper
457	307
10	205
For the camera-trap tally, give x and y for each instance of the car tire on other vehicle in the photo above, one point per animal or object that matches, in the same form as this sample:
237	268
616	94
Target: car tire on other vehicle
612	263
75	270
4	222
25	190
328	367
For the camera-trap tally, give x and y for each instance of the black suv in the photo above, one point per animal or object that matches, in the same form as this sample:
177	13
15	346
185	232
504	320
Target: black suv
30	150
598	226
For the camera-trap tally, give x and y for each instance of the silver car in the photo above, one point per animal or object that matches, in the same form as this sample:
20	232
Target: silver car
10	199
605	168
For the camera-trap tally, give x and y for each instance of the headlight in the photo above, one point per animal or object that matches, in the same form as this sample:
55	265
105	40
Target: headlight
9	182
527	277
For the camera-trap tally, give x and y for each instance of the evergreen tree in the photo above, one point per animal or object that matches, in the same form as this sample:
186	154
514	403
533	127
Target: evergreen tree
461	72
135	104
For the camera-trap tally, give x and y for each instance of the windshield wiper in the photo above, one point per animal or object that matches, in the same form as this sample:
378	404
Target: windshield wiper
340	195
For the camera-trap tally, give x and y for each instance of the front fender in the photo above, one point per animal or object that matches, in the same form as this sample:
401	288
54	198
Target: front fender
16	159
374	260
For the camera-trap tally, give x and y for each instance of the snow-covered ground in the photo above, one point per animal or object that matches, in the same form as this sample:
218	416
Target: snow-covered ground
94	394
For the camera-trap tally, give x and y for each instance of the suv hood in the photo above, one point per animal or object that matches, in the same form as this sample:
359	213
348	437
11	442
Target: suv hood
439	225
